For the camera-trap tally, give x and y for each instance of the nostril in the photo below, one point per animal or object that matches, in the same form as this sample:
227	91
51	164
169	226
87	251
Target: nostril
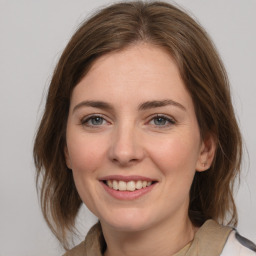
126	148
124	160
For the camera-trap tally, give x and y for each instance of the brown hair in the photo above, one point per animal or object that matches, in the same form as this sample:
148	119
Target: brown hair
202	71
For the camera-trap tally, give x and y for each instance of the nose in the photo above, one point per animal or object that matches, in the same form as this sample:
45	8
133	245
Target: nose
126	147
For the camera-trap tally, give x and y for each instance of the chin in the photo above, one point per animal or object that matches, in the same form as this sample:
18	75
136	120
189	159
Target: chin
127	221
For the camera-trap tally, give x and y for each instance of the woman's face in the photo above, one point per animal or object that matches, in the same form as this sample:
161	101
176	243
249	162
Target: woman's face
133	141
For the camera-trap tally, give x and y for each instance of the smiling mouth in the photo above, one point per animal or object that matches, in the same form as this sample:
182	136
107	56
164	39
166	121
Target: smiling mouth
129	185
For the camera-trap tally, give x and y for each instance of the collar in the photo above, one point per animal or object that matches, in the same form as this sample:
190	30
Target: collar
209	240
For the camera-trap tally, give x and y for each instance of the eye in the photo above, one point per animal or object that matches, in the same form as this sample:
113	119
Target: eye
94	120
161	121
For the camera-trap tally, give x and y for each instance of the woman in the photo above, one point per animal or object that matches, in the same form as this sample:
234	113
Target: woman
139	126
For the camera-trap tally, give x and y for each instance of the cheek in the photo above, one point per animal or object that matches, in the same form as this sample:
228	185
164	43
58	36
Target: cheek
176	159
85	152
86	156
176	154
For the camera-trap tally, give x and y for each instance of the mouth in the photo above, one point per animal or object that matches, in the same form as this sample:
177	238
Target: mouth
127	187
127	183
131	185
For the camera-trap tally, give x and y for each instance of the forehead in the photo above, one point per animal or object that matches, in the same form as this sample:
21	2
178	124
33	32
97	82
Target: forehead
140	72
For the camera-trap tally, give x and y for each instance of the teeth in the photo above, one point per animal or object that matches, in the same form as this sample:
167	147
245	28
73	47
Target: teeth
128	186
122	185
109	183
138	184
115	185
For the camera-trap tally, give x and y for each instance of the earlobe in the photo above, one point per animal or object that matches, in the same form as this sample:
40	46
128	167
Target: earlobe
206	154
67	158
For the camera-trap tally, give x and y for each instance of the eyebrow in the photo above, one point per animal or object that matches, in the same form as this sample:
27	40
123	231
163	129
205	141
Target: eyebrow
160	103
144	106
93	104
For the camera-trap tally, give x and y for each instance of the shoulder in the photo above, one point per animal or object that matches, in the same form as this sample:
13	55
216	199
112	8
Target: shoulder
79	250
93	244
213	239
238	246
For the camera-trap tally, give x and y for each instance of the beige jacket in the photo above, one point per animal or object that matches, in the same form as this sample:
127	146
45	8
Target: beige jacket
211	239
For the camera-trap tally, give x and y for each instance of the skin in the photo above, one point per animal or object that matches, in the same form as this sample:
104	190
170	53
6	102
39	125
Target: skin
126	140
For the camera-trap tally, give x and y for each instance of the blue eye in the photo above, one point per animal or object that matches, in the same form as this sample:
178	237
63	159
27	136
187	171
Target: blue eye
97	120
94	121
161	121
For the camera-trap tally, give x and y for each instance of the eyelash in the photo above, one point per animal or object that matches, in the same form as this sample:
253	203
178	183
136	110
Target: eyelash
85	121
170	121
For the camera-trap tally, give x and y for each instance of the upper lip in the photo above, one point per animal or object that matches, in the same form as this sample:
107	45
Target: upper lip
125	178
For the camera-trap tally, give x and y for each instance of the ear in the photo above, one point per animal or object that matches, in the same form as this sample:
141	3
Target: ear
67	158
206	154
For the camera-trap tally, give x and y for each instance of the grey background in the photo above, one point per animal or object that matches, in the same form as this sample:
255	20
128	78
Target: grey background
32	36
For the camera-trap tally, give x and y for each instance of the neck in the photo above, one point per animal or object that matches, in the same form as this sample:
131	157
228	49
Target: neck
164	239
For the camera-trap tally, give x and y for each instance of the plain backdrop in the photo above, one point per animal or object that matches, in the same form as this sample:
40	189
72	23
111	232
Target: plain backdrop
32	37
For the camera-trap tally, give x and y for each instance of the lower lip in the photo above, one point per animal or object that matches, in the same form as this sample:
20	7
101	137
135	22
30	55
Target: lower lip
128	195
